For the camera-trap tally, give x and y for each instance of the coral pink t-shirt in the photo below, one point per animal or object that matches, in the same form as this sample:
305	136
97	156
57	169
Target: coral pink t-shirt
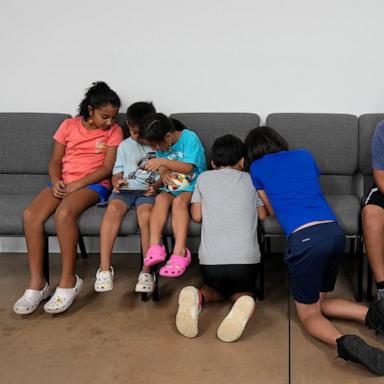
85	149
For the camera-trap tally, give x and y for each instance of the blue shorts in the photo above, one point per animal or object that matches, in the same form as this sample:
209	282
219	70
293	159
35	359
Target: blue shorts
102	191
132	198
313	257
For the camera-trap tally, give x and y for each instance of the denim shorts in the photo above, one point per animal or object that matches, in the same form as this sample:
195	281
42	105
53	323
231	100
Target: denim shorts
132	198
313	257
102	191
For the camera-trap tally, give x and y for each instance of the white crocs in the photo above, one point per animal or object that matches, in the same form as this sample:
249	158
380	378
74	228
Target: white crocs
104	280
145	282
31	300
187	316
232	327
63	298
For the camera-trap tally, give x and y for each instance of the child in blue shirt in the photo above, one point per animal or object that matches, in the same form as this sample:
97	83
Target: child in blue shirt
179	159
133	187
287	182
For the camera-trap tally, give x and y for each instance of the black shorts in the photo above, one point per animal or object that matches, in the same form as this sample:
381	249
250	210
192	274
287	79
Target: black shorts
375	197
313	257
229	279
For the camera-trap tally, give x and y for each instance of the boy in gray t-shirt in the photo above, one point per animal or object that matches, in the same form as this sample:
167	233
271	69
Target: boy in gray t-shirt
225	201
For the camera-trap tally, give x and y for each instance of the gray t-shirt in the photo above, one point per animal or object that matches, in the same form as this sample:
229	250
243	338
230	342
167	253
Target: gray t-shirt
229	226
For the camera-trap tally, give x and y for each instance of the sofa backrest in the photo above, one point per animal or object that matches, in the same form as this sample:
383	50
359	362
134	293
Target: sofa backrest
26	146
210	126
331	138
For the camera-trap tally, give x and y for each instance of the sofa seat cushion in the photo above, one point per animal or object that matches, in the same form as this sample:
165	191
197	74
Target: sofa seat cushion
13	205
346	208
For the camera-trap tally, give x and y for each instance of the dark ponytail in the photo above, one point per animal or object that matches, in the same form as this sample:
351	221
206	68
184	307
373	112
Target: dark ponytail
98	95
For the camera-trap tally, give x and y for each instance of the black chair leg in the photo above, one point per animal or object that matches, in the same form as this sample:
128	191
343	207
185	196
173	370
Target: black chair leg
46	259
369	283
83	251
360	269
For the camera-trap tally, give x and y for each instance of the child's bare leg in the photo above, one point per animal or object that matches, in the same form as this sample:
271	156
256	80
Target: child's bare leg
109	229
143	214
209	294
66	217
35	215
315	323
180	221
158	217
343	309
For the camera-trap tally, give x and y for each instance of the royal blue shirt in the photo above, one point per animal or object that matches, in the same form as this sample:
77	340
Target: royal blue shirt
291	182
378	147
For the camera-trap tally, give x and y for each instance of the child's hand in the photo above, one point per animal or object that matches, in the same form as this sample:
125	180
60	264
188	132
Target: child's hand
119	184
59	189
153	164
167	177
151	191
72	187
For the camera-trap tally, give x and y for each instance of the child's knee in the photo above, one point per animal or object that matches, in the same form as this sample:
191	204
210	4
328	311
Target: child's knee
180	203
115	210
64	216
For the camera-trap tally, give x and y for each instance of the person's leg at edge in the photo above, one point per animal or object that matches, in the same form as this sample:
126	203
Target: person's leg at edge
34	217
143	215
373	229
109	229
180	221
66	217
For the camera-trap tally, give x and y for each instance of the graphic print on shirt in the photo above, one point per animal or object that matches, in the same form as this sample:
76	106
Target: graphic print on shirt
140	174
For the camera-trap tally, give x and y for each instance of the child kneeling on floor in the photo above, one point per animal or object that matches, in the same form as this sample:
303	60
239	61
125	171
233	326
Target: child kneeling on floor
229	251
133	187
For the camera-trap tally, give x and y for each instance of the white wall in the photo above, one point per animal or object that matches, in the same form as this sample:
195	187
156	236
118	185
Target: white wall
247	55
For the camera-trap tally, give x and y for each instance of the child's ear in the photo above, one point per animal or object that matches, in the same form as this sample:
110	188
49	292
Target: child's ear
242	162
213	164
126	123
168	138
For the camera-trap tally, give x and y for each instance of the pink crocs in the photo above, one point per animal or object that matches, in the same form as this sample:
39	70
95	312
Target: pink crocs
155	255
176	265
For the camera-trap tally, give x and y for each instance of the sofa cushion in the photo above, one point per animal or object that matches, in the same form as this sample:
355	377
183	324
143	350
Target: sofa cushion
209	126
26	141
331	138
346	209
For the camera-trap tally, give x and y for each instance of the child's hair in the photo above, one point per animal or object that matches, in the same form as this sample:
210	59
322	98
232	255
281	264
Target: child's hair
262	141
137	111
227	151
155	126
98	95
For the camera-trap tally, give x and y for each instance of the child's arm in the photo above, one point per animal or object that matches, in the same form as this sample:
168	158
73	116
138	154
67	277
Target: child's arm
54	170
262	213
196	212
267	204
172	165
100	174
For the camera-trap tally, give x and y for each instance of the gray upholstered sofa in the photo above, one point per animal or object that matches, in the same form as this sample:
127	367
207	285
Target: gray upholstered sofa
340	144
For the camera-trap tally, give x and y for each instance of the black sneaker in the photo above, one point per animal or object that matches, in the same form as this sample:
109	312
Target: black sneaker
354	348
375	316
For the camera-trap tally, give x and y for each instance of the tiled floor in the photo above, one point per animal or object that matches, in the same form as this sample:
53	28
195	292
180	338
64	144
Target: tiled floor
116	338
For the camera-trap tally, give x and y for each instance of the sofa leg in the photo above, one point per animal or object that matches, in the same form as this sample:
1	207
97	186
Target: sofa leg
369	283
46	259
83	251
360	269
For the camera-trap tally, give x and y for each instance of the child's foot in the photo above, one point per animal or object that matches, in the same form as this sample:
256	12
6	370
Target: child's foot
375	316
31	300
188	313
176	265
352	347
145	282
104	280
63	298
156	254
232	327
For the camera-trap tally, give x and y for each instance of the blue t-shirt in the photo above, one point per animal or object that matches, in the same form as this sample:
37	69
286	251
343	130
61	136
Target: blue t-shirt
188	149
378	147
291	182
